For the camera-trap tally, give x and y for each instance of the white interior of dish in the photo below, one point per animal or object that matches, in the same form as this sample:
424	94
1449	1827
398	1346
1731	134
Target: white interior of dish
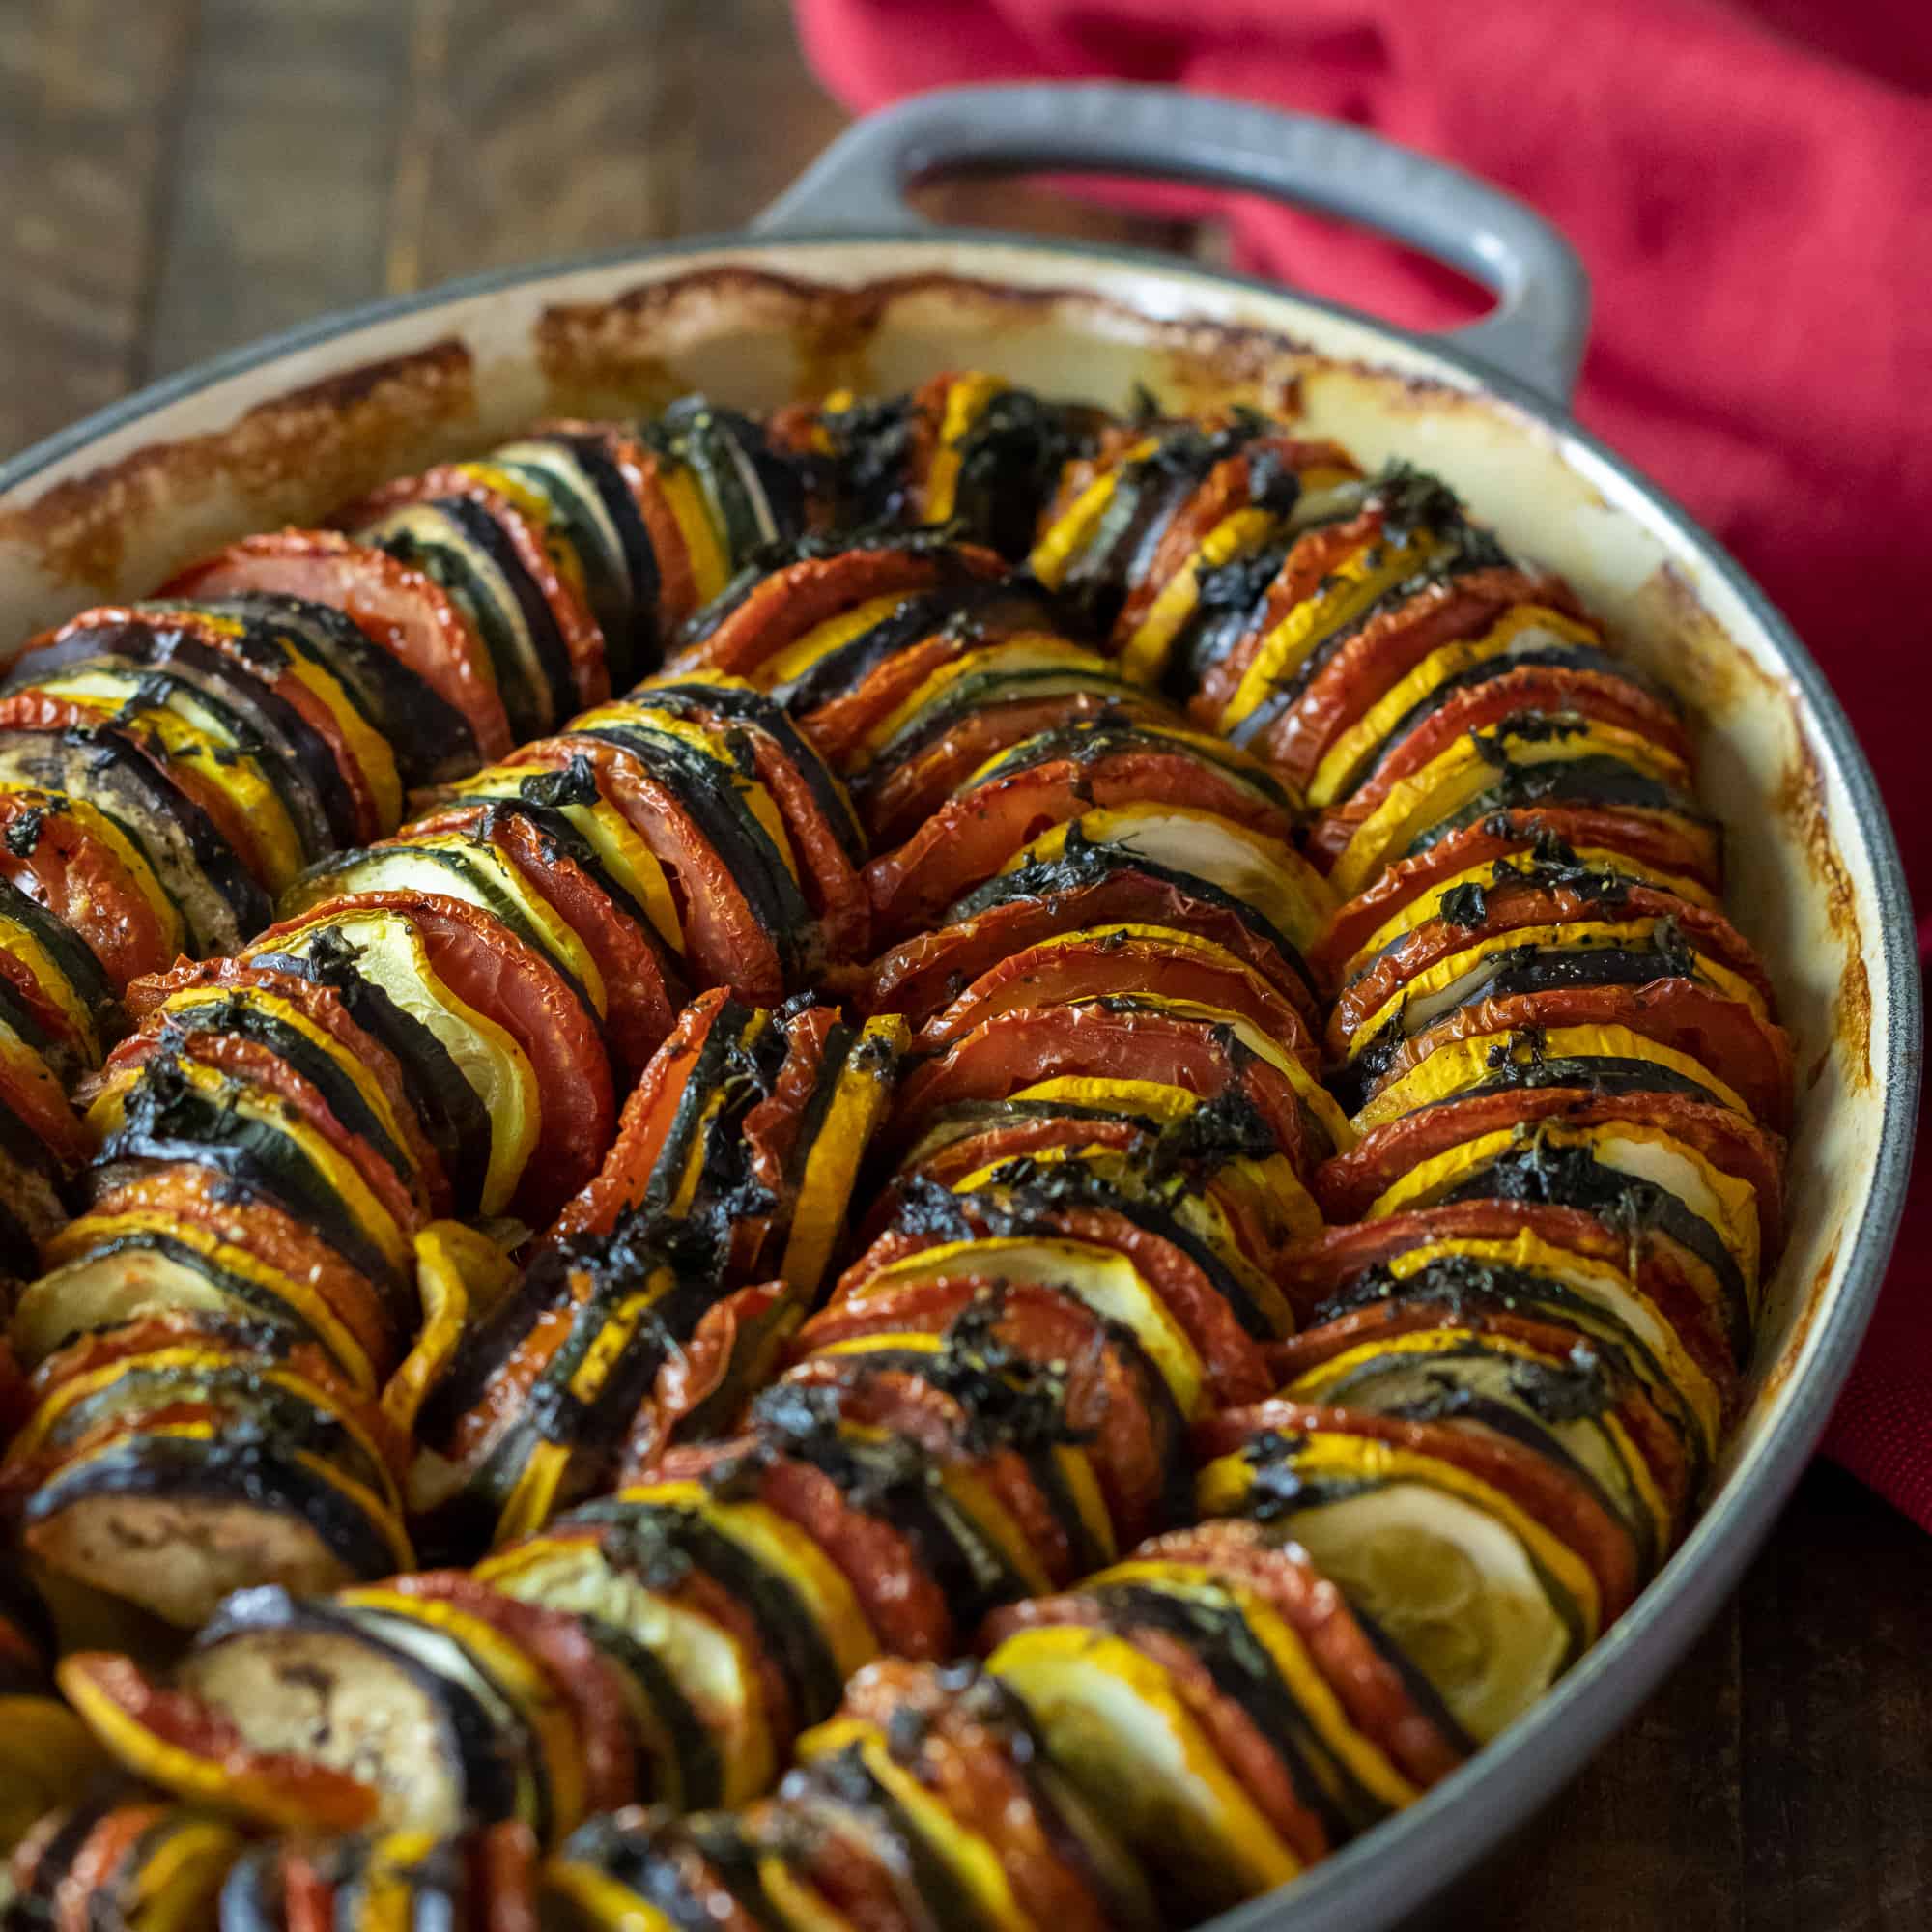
247	451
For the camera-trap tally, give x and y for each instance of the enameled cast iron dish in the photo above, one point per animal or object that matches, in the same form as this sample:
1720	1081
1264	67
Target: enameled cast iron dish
837	283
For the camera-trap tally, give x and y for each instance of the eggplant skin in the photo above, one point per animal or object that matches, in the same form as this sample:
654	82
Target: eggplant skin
175	1523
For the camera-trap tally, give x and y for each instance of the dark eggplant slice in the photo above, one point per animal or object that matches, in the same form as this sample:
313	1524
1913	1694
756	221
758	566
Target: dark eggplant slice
370	1690
218	897
587	490
428	738
453	1116
755	492
221	1512
456	542
176	1109
69	973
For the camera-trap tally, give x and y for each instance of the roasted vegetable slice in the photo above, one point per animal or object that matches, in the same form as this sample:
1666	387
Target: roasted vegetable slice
401	611
122	1864
167	1463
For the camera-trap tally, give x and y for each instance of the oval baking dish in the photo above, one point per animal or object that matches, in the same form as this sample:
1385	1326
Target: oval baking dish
839	285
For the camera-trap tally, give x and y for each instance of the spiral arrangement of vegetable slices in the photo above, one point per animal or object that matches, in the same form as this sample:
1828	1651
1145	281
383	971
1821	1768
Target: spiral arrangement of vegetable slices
1221	1162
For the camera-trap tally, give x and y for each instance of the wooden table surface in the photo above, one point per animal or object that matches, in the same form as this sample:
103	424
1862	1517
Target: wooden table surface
180	176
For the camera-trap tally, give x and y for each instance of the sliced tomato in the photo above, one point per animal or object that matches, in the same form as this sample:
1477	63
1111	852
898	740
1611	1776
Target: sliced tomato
582	640
962	1739
399	608
900	1598
725	944
1237	1371
1326	1267
1020	1048
1372	1690
1529	689
204	1197
1384	650
898	797
1112	1388
1228	487
488	967
1115	960
649	1112
640	982
976	832
709	1376
798	598
1536	1485
906	1407
817	816
583	1678
1514	910
922	974
1316	553
1236	1737
1348	1183
1750	1053
319	1004
258	1064
1666	845
53	856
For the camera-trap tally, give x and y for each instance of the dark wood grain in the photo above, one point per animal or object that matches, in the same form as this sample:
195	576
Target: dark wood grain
90	92
182	177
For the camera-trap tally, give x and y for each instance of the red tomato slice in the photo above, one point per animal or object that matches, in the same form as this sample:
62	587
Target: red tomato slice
1236	1739
1530	688
402	611
582	640
1115	964
204	1197
1665	844
974	834
725	944
323	1008
1371	1688
801	596
649	1111
1018	1049
1237	1369
1323	1269
975	1756
1385	650
1348	1183
641	985
910	1409
1228	487
1111	1389
260	1066
1513	909
921	974
1539	1486
488	968
900	1600
1748	1053
895	799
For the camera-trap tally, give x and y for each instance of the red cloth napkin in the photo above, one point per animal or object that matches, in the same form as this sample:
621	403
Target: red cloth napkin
1751	185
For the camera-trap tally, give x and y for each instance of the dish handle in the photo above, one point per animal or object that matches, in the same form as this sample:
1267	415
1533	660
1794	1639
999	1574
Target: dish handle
1534	333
